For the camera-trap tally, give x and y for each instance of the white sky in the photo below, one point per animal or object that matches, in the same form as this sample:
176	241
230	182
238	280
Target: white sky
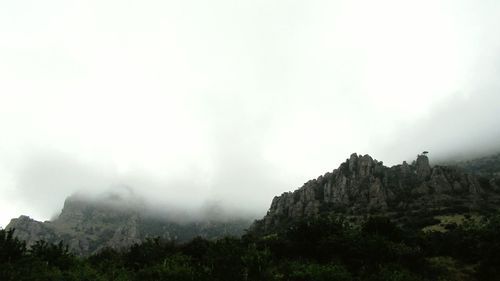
234	101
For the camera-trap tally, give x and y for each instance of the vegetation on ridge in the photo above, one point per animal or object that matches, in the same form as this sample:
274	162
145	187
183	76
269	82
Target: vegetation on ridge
321	248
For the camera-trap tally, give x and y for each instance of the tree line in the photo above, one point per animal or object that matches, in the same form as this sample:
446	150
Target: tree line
318	249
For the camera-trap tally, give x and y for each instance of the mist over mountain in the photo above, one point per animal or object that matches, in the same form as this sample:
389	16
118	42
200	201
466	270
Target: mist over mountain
121	219
207	140
191	103
416	194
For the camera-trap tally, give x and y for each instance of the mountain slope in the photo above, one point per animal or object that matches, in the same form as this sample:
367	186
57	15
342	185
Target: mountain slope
87	226
487	167
409	193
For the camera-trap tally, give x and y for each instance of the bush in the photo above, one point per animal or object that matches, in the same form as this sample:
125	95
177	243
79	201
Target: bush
317	272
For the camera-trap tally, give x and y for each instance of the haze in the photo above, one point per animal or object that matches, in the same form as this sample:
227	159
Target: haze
233	102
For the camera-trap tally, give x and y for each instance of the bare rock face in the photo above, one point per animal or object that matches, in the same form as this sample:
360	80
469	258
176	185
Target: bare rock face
362	185
27	229
423	167
126	234
83	225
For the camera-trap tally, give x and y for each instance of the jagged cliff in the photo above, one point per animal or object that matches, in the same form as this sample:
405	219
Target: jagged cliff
87	226
362	185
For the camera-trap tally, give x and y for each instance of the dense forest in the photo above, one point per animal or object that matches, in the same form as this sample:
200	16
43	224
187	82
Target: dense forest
322	248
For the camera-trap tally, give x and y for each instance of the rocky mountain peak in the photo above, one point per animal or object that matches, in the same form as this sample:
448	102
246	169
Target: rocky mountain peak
422	166
87	225
362	185
361	166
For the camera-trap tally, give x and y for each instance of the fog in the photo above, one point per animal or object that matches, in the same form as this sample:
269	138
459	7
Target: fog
229	103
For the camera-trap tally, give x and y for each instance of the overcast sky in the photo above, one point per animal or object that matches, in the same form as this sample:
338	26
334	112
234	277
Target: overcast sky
234	102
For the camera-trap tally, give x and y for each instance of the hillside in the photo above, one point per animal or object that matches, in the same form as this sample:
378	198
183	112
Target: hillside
487	166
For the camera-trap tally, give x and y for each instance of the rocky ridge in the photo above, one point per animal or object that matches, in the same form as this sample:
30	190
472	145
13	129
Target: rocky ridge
363	185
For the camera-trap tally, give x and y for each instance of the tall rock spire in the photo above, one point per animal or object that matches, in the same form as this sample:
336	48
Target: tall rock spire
423	167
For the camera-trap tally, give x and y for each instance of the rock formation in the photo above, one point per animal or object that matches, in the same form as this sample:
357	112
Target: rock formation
87	226
362	185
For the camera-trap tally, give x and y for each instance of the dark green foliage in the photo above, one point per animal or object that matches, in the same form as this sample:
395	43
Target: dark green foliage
56	255
394	273
256	262
148	253
224	259
196	248
322	248
10	247
317	272
489	247
381	226
173	267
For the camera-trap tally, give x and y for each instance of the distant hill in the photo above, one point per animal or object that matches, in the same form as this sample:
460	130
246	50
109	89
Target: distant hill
413	194
87	226
487	166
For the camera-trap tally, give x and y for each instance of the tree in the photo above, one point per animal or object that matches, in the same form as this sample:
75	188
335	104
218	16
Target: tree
11	248
56	255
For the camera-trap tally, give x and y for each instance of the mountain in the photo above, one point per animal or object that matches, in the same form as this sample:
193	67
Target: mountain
413	193
487	166
88	225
